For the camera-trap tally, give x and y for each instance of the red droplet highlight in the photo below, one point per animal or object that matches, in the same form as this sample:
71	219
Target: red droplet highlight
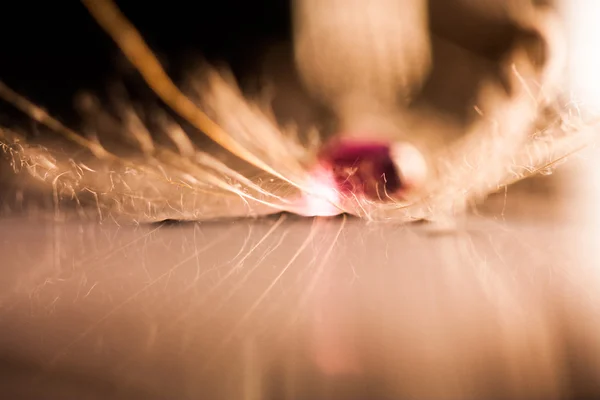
363	168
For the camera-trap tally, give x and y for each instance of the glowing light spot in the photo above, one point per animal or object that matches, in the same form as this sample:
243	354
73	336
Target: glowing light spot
324	197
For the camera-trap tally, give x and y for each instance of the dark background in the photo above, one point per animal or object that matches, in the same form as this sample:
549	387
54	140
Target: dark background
51	50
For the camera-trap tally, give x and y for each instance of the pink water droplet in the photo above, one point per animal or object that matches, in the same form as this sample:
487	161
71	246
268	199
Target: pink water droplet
367	168
353	168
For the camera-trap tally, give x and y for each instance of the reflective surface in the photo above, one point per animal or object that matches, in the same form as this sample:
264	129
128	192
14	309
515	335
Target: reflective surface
287	308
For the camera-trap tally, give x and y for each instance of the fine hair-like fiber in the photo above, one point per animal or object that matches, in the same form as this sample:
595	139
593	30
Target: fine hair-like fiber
154	169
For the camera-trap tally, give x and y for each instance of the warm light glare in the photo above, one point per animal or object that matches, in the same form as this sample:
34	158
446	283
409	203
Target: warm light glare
582	19
323	197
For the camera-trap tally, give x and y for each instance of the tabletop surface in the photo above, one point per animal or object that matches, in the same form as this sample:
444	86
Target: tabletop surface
283	307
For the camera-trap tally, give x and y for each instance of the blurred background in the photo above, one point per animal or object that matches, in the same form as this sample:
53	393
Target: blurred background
52	51
506	307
